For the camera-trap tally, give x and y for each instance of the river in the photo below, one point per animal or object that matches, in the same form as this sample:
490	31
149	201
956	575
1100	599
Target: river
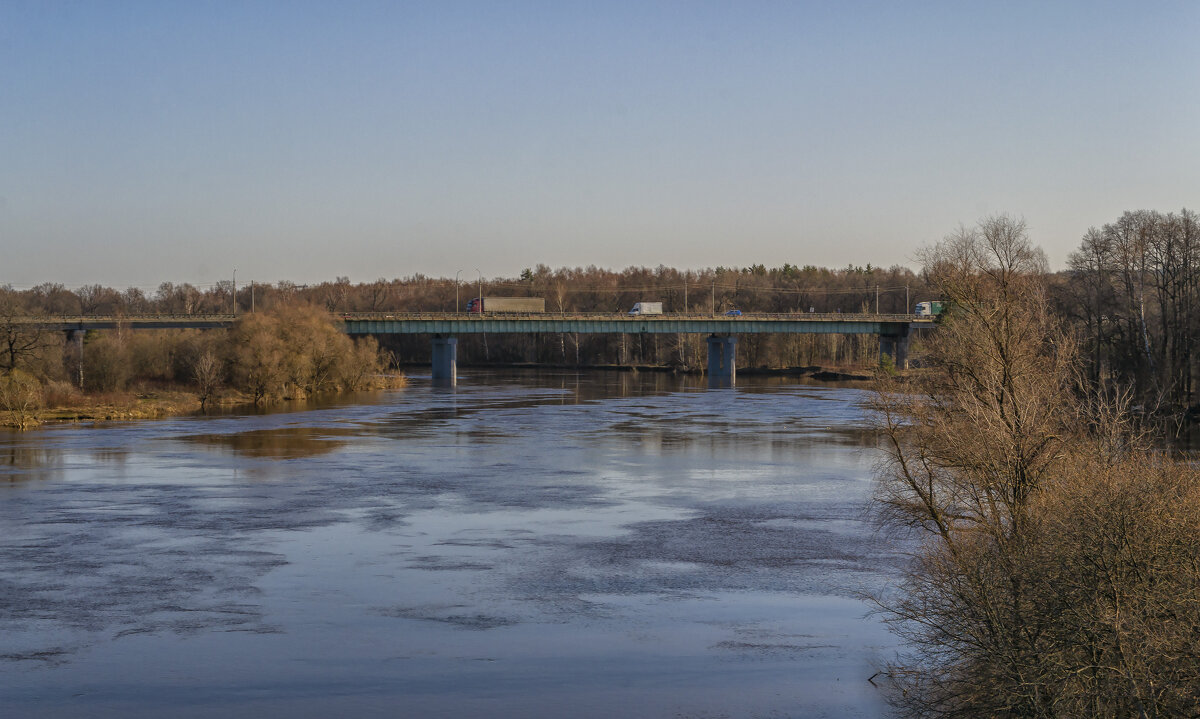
525	545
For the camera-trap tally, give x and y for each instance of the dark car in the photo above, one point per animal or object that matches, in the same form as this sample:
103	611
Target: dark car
733	313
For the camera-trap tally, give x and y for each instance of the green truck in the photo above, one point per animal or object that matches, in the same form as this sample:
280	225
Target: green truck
930	309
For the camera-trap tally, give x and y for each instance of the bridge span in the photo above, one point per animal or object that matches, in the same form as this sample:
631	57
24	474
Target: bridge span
893	330
722	330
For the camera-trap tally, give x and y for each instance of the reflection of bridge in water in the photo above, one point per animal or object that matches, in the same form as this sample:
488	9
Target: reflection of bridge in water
893	330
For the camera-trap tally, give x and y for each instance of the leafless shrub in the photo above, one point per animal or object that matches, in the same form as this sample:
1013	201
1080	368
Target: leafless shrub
209	372
20	394
59	393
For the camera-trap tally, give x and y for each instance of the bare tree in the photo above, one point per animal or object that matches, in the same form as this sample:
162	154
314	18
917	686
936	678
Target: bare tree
208	371
966	446
23	340
377	294
97	299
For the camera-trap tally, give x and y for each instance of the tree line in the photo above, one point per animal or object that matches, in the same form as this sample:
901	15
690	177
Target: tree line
1132	290
786	289
789	288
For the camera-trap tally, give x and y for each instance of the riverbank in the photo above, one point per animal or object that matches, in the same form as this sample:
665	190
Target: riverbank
145	402
117	406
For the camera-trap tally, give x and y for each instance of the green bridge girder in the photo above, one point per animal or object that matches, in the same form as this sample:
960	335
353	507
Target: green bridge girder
451	324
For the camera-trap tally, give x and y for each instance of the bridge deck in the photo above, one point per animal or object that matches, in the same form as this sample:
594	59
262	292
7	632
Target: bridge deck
450	324
447	323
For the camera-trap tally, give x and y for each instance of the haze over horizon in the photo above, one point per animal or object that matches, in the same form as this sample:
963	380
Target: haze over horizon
145	142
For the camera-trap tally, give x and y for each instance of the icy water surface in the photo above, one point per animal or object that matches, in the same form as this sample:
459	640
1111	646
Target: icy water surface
552	545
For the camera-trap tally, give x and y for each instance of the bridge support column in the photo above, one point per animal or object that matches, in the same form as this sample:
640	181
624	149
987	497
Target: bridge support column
722	359
896	347
77	336
445	360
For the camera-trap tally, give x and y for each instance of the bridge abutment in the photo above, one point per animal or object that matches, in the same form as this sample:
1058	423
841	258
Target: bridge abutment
445	360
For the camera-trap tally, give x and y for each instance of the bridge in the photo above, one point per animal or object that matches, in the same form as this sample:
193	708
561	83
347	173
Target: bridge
893	330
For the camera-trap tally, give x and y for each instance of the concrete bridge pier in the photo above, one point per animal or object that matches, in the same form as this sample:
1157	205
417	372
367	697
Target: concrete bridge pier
896	347
445	360
77	336
722	360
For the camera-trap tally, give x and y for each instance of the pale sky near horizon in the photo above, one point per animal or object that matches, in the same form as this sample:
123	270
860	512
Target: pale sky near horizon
143	142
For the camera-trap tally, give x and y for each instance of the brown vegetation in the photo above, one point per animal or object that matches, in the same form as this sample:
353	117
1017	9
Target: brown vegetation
291	351
296	351
1057	569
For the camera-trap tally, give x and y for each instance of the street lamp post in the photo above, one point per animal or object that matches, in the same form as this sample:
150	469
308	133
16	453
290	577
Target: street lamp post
480	291
456	304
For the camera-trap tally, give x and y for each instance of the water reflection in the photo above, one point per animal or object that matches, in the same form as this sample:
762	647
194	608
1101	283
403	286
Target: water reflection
110	455
282	443
21	460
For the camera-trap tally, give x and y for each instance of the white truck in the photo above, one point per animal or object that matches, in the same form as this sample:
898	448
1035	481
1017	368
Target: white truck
646	308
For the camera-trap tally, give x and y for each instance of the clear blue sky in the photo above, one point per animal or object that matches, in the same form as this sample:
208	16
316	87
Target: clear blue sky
151	141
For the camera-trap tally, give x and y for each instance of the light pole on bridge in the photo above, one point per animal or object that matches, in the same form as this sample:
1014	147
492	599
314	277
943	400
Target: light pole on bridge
456	304
480	291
